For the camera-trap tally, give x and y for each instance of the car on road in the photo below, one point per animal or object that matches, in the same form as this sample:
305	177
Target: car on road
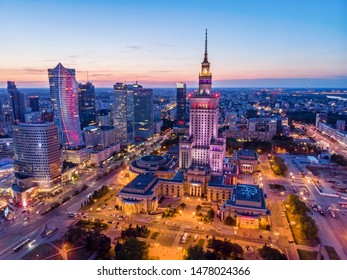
184	237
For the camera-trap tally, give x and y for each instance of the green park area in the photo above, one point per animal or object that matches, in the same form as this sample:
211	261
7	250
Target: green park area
303	227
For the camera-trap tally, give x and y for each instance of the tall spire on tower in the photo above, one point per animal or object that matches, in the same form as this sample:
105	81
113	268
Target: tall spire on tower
205	56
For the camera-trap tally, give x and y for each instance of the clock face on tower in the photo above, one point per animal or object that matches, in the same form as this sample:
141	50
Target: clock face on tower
204	71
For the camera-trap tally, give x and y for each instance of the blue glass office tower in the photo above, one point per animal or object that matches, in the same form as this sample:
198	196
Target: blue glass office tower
86	101
143	112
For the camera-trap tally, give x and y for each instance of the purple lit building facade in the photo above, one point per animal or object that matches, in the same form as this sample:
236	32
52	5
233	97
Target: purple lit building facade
203	150
64	94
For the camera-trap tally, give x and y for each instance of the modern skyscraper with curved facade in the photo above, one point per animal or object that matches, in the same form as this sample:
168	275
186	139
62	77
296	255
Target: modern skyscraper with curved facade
64	94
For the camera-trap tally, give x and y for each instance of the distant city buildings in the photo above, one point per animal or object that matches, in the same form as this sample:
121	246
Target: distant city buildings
340	125
64	94
6	147
321	118
336	132
253	128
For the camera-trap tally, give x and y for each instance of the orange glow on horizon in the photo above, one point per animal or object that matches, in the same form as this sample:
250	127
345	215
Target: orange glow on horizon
35	77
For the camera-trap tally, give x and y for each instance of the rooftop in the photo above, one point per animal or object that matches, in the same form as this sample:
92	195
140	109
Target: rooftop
248	193
216	180
152	163
18	189
152	158
247	154
142	184
179	177
249	196
173	150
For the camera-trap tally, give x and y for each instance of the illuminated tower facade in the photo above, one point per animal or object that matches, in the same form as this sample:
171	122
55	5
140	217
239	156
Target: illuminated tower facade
37	155
205	76
123	114
64	94
203	148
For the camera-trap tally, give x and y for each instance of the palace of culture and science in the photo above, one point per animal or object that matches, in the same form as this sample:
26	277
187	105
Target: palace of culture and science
203	151
204	170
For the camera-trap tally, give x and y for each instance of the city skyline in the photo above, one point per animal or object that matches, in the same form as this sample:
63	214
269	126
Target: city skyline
208	175
286	45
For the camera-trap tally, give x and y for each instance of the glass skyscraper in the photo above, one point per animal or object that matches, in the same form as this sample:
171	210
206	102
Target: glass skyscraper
17	102
34	103
86	101
143	112
181	96
64	94
123	114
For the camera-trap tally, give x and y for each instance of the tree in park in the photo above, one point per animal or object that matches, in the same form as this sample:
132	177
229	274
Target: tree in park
195	252
269	253
132	249
298	207
211	213
308	227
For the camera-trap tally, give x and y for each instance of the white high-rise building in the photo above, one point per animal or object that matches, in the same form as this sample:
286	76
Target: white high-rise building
203	148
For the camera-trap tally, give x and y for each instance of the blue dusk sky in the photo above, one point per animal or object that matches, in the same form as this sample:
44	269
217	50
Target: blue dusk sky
250	43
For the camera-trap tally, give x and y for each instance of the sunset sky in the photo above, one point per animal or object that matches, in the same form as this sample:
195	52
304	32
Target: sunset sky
251	43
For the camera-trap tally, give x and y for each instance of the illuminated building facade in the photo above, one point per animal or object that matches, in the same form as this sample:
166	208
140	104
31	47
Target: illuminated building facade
203	148
37	156
64	94
123	114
